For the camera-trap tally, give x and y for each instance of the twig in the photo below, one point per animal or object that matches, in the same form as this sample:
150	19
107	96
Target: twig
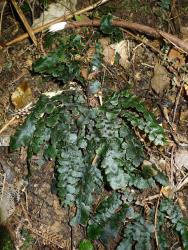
8	124
1	18
153	197
95	159
25	22
172	166
19	77
118	23
182	183
180	144
177	101
155	222
59	19
26	215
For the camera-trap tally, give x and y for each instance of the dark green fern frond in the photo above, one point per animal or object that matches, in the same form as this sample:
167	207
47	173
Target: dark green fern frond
106	210
25	132
137	234
91	183
168	211
133	110
60	64
71	168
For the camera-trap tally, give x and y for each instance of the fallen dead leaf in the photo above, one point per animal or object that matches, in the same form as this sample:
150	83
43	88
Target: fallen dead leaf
105	41
122	49
167	191
108	52
177	58
160	81
22	95
111	50
109	55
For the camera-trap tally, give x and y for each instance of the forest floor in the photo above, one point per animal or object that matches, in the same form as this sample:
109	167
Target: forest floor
155	70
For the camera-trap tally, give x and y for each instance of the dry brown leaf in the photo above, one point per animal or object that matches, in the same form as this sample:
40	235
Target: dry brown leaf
109	55
160	80
108	52
167	191
22	95
177	58
122	49
105	41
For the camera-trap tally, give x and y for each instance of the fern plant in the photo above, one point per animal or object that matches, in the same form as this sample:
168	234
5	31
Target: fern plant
92	147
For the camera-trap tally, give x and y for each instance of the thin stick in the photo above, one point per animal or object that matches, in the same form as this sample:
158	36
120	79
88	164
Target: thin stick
18	78
25	22
94	161
172	170
7	124
155	223
182	183
153	197
177	101
59	19
1	18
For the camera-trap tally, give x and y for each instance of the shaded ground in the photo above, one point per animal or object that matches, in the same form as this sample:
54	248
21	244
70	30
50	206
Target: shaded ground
38	210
